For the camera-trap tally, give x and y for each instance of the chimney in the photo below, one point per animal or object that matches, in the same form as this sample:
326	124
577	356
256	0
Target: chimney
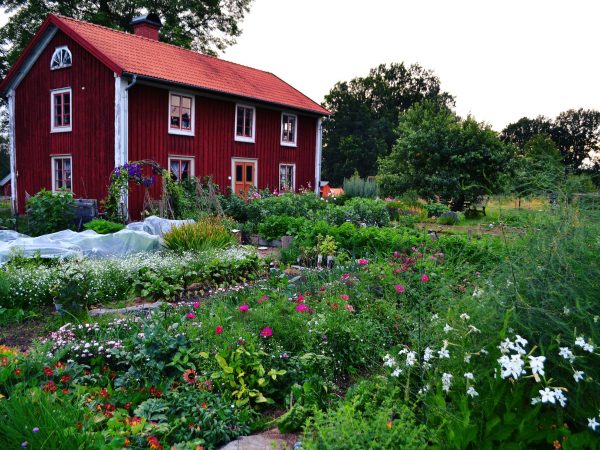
146	26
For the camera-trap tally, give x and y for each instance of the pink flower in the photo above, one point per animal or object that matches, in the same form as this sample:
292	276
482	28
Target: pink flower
345	297
302	308
300	298
424	278
345	276
396	270
244	308
349	308
322	289
190	315
219	330
266	332
196	305
363	262
399	289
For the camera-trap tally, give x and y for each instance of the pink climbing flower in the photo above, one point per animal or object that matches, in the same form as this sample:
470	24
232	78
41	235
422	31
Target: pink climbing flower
424	278
266	332
345	297
400	289
190	315
244	308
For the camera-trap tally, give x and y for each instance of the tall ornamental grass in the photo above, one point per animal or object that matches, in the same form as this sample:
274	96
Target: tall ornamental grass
206	234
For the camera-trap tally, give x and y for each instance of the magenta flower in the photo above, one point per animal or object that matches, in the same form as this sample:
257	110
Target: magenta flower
345	276
424	278
266	332
349	308
190	315
196	305
244	308
345	297
300	298
400	289
363	262
302	308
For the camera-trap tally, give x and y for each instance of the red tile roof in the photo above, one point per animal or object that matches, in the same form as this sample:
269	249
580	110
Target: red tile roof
146	57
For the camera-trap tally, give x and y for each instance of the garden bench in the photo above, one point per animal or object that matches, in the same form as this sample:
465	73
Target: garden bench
476	207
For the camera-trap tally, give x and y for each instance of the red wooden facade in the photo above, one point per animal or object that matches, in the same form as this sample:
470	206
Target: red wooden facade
96	130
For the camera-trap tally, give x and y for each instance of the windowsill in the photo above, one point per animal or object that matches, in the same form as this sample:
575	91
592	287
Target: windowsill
248	140
288	144
61	130
181	132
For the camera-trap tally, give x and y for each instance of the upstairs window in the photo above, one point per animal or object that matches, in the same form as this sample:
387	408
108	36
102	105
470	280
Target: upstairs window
61	58
181	114
289	129
61	173
287	177
245	123
60	110
181	168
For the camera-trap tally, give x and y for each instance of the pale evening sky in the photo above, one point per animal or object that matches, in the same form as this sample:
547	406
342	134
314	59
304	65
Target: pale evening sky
501	59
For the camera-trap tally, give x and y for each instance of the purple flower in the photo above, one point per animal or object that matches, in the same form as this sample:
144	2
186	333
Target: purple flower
36	430
24	444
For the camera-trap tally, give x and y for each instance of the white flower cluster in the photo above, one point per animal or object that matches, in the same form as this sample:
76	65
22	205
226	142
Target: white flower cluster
580	342
512	365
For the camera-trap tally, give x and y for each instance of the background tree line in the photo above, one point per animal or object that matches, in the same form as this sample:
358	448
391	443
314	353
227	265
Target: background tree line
397	123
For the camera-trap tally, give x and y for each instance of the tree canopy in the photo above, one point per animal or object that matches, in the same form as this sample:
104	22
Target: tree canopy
365	114
202	25
446	158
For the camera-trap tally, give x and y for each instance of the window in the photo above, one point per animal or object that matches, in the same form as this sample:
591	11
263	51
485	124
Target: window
181	168
181	114
288	129
245	123
61	58
60	110
287	177
61	173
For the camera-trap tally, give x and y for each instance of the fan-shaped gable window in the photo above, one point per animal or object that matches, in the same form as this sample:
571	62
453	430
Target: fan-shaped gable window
61	58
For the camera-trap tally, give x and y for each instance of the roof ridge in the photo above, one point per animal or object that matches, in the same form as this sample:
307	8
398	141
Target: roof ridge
60	16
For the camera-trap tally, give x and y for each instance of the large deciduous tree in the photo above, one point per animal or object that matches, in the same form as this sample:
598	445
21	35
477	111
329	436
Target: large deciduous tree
202	25
365	114
446	158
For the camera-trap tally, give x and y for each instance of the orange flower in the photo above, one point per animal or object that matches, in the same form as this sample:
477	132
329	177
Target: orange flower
65	379
153	443
127	442
203	405
50	387
389	424
4	361
17	371
189	376
557	444
48	371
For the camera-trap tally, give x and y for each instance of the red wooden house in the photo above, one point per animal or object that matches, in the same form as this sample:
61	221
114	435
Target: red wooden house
83	99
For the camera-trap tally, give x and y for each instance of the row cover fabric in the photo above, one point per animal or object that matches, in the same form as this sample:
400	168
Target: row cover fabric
135	238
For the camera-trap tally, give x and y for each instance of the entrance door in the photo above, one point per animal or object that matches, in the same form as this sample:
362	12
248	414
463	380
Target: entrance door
244	176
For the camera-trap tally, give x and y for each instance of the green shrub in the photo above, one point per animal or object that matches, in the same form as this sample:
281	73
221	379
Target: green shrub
435	209
206	234
359	187
274	227
449	218
49	212
359	211
390	185
102	226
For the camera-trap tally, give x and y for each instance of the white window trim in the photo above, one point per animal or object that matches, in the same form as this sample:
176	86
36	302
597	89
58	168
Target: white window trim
182	132
190	159
282	142
252	160
54	129
252	139
53	158
56	50
293	175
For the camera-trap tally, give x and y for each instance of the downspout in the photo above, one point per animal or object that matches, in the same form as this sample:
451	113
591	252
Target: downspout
133	82
318	155
12	151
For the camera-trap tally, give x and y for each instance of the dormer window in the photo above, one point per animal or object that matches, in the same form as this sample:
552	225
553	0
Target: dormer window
61	58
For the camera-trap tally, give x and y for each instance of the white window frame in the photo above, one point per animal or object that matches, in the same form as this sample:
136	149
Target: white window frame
286	143
62	65
53	159
190	132
251	139
53	128
293	165
232	176
190	159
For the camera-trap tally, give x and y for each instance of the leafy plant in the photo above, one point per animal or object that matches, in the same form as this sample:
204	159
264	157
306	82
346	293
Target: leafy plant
356	186
102	226
50	211
435	209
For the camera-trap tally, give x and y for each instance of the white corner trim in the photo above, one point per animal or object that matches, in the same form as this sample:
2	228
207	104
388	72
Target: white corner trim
293	175
55	129
285	143
182	132
251	139
12	151
121	130
252	160
318	155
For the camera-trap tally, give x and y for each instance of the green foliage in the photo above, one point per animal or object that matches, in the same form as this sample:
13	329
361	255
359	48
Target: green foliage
356	186
365	113
442	156
449	218
102	226
206	234
50	211
274	227
390	184
435	209
70	293
579	184
359	211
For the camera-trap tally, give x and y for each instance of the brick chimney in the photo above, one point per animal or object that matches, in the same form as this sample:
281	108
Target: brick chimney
146	26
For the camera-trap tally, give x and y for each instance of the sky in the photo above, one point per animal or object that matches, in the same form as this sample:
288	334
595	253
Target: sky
501	59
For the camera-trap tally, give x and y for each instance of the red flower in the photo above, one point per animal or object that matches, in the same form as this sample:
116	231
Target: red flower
104	393
49	387
48	371
363	262
65	391
219	330
424	278
65	379
300	299
17	371
266	332
203	405
154	444
127	405
322	289
4	361
345	276
59	365
189	376
345	297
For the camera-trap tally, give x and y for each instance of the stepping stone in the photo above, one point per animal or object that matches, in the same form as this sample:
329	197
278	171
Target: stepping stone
256	442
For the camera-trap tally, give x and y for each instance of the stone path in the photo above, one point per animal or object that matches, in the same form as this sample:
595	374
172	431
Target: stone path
268	440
